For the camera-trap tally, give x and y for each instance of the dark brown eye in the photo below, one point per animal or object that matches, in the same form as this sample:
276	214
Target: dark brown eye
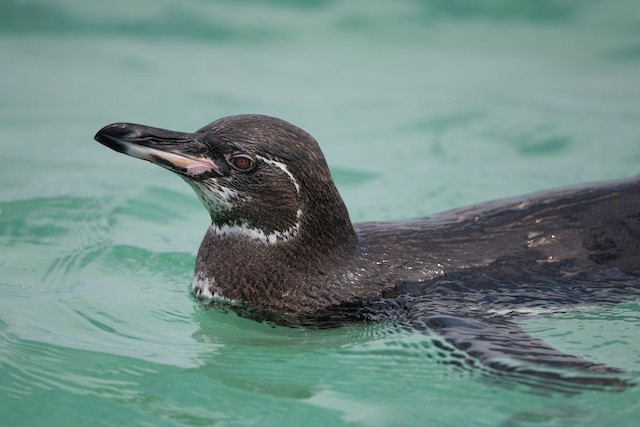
241	162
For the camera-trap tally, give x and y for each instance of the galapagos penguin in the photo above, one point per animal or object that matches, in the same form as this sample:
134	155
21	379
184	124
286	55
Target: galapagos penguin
281	246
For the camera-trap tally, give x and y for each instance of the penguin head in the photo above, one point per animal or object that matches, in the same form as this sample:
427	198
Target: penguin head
259	177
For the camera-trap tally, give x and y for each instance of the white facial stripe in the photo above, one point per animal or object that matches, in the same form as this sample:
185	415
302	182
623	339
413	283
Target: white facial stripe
284	168
253	233
216	197
213	195
223	193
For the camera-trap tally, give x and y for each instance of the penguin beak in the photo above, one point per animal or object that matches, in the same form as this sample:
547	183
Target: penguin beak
179	152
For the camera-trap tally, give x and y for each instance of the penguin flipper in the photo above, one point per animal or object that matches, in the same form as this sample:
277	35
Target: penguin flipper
503	346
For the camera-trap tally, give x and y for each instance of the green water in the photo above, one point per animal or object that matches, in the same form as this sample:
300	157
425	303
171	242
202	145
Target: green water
420	106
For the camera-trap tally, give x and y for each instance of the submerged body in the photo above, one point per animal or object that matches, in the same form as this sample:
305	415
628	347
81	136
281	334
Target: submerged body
281	245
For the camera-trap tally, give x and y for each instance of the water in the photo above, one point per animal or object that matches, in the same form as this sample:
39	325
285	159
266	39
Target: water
420	106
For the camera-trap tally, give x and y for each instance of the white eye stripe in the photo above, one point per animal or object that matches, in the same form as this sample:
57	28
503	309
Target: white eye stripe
284	168
217	198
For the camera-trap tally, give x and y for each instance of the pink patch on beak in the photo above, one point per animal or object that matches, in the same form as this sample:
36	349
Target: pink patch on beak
199	166
186	165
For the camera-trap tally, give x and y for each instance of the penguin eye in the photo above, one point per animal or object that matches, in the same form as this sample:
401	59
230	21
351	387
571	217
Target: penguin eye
241	162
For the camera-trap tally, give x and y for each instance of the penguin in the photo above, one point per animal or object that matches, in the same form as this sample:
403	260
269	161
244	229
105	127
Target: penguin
282	248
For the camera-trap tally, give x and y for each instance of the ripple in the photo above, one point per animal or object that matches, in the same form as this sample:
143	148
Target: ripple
72	285
36	366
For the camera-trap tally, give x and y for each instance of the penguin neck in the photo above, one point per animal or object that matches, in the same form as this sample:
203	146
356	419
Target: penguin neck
317	223
326	228
296	272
